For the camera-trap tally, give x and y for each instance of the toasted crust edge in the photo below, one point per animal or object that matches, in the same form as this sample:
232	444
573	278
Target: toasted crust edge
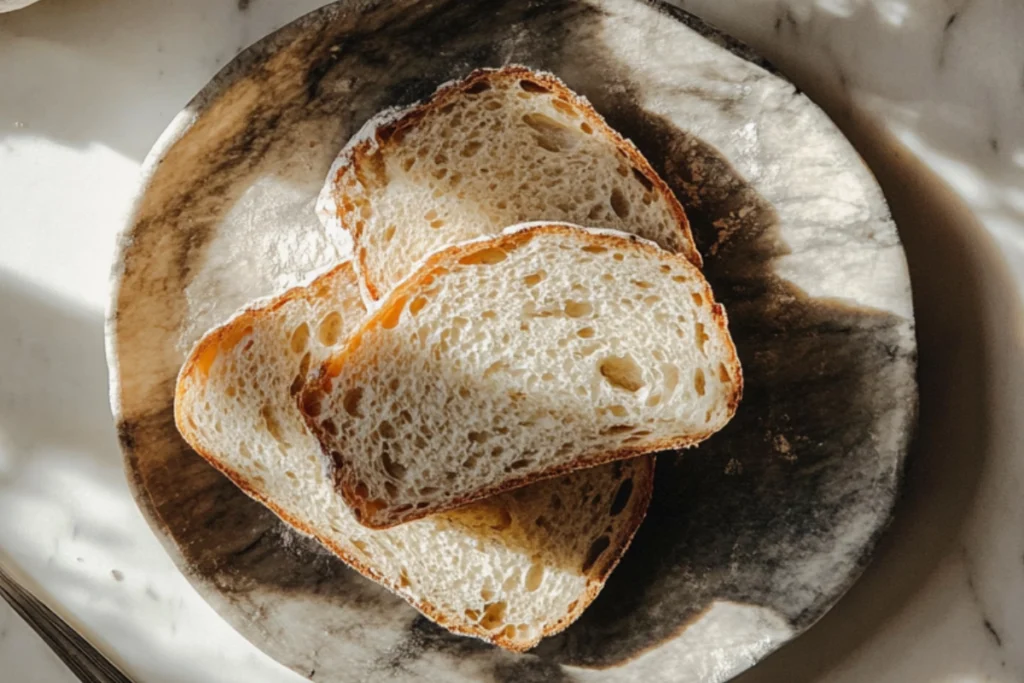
446	257
596	578
383	136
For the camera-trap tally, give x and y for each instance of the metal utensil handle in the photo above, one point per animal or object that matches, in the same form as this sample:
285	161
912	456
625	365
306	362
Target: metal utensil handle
74	650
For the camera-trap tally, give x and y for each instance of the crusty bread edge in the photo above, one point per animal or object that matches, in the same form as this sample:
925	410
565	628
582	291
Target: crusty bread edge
513	237
379	131
596	578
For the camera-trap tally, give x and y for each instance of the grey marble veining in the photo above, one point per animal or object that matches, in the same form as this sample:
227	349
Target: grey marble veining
750	539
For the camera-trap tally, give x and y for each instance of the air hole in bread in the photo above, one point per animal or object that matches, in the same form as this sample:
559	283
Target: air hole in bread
594	249
551	134
497	366
622	497
622	372
597	548
586	128
533	86
534	577
699	381
697	299
618	410
547	377
394	469
437	225
489	315
361	545
271	423
492	105
477	88
679	278
494	615
478	437
330	427
300	338
643	284
488	257
408	164
534	278
644	180
701	337
471	148
403	579
497	451
389	233
565	108
386	430
723	373
311	403
652	300
439	173
620	203
291	475
616	429
472	614
428	490
464	393
519	464
300	377
329	332
351	401
578	309
486	592
653	400
243	450
619	257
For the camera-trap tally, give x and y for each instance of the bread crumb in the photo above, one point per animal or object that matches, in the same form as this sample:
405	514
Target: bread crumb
783	448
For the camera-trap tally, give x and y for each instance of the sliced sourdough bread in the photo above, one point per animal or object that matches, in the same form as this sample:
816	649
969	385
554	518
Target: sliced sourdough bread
500	147
509	570
505	360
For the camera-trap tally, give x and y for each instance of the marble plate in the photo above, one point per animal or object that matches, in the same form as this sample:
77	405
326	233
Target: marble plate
749	539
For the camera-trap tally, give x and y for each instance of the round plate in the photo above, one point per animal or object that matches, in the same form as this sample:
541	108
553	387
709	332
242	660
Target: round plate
749	539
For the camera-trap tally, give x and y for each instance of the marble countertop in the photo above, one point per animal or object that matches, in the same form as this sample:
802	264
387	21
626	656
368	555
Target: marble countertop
930	91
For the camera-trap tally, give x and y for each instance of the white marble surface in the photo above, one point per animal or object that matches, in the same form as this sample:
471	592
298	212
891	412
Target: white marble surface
933	91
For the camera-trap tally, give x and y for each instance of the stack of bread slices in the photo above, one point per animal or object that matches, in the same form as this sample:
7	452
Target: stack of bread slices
466	410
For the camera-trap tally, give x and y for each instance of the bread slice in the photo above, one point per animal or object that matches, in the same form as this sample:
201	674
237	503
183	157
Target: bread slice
509	570
510	359
497	148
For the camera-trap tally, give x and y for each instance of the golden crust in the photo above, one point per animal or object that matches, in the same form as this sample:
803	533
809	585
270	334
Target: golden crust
390	134
446	259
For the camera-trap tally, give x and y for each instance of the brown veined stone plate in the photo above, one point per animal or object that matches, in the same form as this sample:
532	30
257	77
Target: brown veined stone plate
749	539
